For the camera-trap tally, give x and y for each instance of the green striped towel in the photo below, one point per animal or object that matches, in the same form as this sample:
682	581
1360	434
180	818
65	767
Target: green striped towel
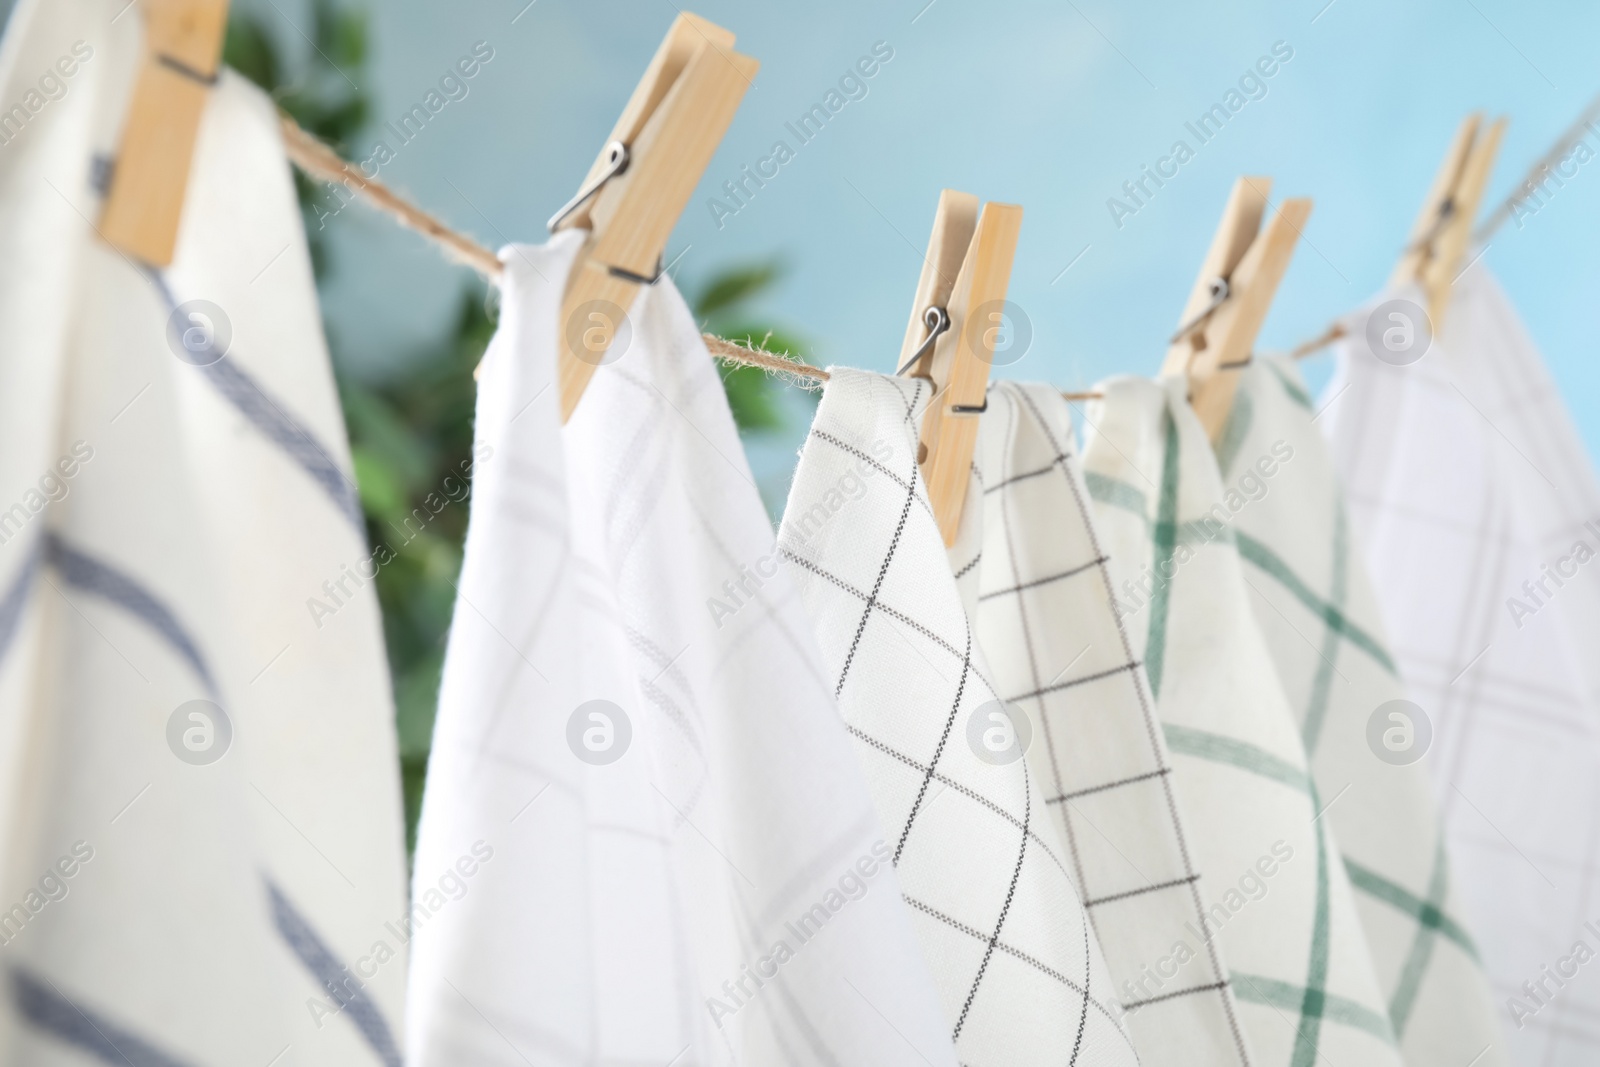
1279	899
1316	607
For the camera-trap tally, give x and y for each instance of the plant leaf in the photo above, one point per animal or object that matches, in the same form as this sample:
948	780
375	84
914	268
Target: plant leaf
732	287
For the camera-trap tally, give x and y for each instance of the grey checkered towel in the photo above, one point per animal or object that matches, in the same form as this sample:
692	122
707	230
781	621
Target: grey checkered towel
1478	511
1038	586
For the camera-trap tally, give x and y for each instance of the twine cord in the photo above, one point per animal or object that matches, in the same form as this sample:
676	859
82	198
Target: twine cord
320	161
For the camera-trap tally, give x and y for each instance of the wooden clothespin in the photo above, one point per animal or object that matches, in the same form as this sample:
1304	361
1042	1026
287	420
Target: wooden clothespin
951	338
1432	259
183	50
1230	299
634	193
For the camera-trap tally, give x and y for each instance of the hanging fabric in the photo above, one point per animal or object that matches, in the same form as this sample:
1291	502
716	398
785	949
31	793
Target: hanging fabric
978	855
1037	584
1479	510
634	718
1280	901
201	821
1317	611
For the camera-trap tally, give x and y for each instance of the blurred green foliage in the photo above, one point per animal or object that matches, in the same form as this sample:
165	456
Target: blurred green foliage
412	431
322	93
722	307
407	436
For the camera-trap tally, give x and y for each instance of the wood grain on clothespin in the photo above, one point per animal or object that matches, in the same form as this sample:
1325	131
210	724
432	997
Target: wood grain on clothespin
1443	228
183	51
966	273
671	126
954	222
1250	253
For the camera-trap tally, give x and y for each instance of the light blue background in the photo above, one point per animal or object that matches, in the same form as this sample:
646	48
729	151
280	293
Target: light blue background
1050	105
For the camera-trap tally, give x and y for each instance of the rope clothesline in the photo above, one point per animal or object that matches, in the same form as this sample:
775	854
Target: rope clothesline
1564	143
317	159
1505	210
320	161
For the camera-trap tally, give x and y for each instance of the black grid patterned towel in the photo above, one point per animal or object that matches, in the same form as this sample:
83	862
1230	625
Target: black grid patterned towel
1316	608
1278	896
1036	576
978	852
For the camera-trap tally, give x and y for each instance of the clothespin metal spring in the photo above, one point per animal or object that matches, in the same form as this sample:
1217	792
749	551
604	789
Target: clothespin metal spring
638	279
178	66
1219	294
937	320
616	162
1447	211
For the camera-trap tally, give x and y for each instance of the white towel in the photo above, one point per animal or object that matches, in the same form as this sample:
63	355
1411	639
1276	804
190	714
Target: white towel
1317	610
178	886
1279	899
709	883
1472	494
1040	596
978	853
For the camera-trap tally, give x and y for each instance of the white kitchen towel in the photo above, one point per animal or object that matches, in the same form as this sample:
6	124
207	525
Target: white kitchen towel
976	848
635	721
200	824
1278	896
1316	608
1040	596
1479	512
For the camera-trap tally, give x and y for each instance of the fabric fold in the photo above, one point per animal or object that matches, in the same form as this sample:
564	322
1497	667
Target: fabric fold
635	719
201	824
1279	898
1479	511
1316	608
1038	583
975	846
